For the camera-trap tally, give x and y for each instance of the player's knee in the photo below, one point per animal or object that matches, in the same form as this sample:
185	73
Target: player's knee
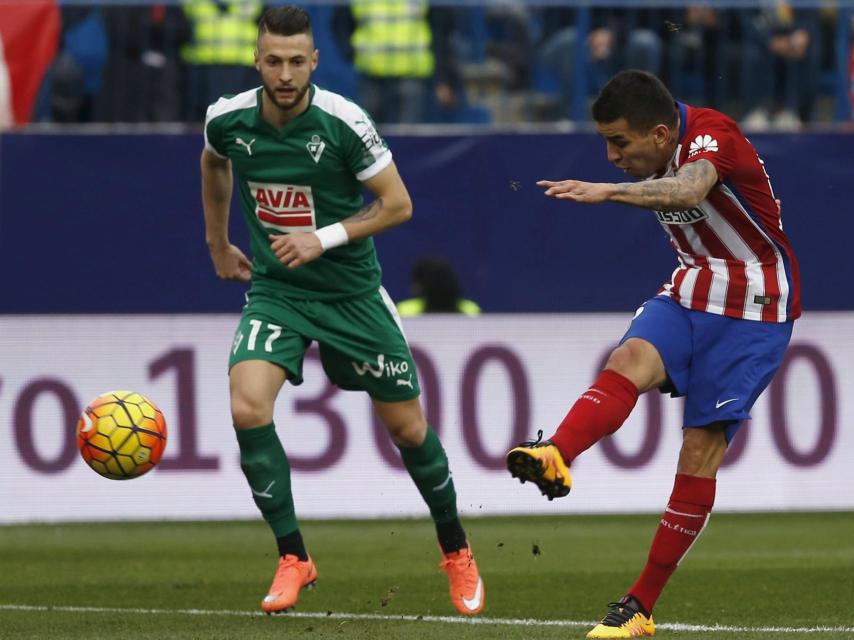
620	360
627	361
248	412
408	434
638	361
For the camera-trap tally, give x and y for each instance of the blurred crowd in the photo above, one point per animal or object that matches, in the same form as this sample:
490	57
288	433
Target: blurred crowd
406	61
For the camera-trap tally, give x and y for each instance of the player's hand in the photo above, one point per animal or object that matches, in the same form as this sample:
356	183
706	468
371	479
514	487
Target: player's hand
230	263
295	249
586	192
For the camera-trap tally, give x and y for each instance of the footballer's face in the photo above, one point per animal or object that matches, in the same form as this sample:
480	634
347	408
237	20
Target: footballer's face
639	153
286	64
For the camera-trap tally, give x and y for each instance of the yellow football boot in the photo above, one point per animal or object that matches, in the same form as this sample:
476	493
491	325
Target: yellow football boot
540	462
626	619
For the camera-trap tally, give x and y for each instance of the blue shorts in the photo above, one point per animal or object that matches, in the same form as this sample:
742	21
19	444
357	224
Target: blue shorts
719	364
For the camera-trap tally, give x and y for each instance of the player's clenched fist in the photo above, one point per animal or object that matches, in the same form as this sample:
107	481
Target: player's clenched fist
587	192
295	249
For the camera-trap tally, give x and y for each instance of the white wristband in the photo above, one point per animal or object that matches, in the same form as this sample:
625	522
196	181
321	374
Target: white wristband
333	235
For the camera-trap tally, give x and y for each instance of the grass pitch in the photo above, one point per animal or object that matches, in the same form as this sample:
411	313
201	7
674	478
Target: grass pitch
769	576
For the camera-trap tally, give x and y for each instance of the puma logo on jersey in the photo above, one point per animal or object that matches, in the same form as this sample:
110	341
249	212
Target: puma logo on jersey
248	145
702	144
405	383
315	148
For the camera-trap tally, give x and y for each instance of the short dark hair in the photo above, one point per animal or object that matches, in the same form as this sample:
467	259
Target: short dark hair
639	97
288	20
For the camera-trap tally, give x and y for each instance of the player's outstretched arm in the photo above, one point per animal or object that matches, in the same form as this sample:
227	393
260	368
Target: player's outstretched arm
229	261
688	188
578	191
391	207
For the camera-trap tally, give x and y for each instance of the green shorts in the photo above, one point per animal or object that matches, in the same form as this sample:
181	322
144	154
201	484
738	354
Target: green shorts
362	346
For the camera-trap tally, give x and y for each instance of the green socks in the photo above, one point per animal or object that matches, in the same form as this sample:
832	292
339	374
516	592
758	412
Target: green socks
265	465
428	467
266	468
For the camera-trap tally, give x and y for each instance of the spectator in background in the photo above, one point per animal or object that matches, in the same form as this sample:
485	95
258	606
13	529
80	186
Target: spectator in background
437	290
781	66
509	40
220	58
403	52
696	53
75	78
618	38
144	73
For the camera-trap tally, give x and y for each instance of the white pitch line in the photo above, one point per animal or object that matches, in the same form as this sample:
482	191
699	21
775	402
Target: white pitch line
514	622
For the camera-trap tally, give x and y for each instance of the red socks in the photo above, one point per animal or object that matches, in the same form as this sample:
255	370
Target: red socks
597	413
683	520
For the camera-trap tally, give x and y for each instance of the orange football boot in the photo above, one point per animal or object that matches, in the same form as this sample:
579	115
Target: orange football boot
466	587
291	576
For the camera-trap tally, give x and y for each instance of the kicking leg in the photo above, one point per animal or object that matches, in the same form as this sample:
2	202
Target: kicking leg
632	369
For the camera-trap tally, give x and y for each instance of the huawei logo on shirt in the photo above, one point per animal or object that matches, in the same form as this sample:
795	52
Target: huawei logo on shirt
702	144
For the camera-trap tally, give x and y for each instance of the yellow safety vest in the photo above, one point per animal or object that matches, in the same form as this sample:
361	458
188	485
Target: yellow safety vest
392	38
222	37
415	307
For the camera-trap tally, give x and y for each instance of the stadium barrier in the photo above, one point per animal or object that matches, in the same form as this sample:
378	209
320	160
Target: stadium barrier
117	225
487	383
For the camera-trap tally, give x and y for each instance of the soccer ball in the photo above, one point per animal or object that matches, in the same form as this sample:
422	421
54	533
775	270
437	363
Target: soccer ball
121	434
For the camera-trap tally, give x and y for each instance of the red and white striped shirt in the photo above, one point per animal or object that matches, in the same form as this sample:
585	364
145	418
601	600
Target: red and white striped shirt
734	258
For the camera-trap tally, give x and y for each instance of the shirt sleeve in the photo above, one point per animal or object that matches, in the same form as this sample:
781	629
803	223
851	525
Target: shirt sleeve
716	142
214	138
365	150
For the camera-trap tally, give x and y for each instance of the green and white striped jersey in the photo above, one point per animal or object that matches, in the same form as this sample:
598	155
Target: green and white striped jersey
304	176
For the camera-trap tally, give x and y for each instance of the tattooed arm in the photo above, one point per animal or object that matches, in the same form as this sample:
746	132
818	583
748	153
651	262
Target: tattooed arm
690	186
391	207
